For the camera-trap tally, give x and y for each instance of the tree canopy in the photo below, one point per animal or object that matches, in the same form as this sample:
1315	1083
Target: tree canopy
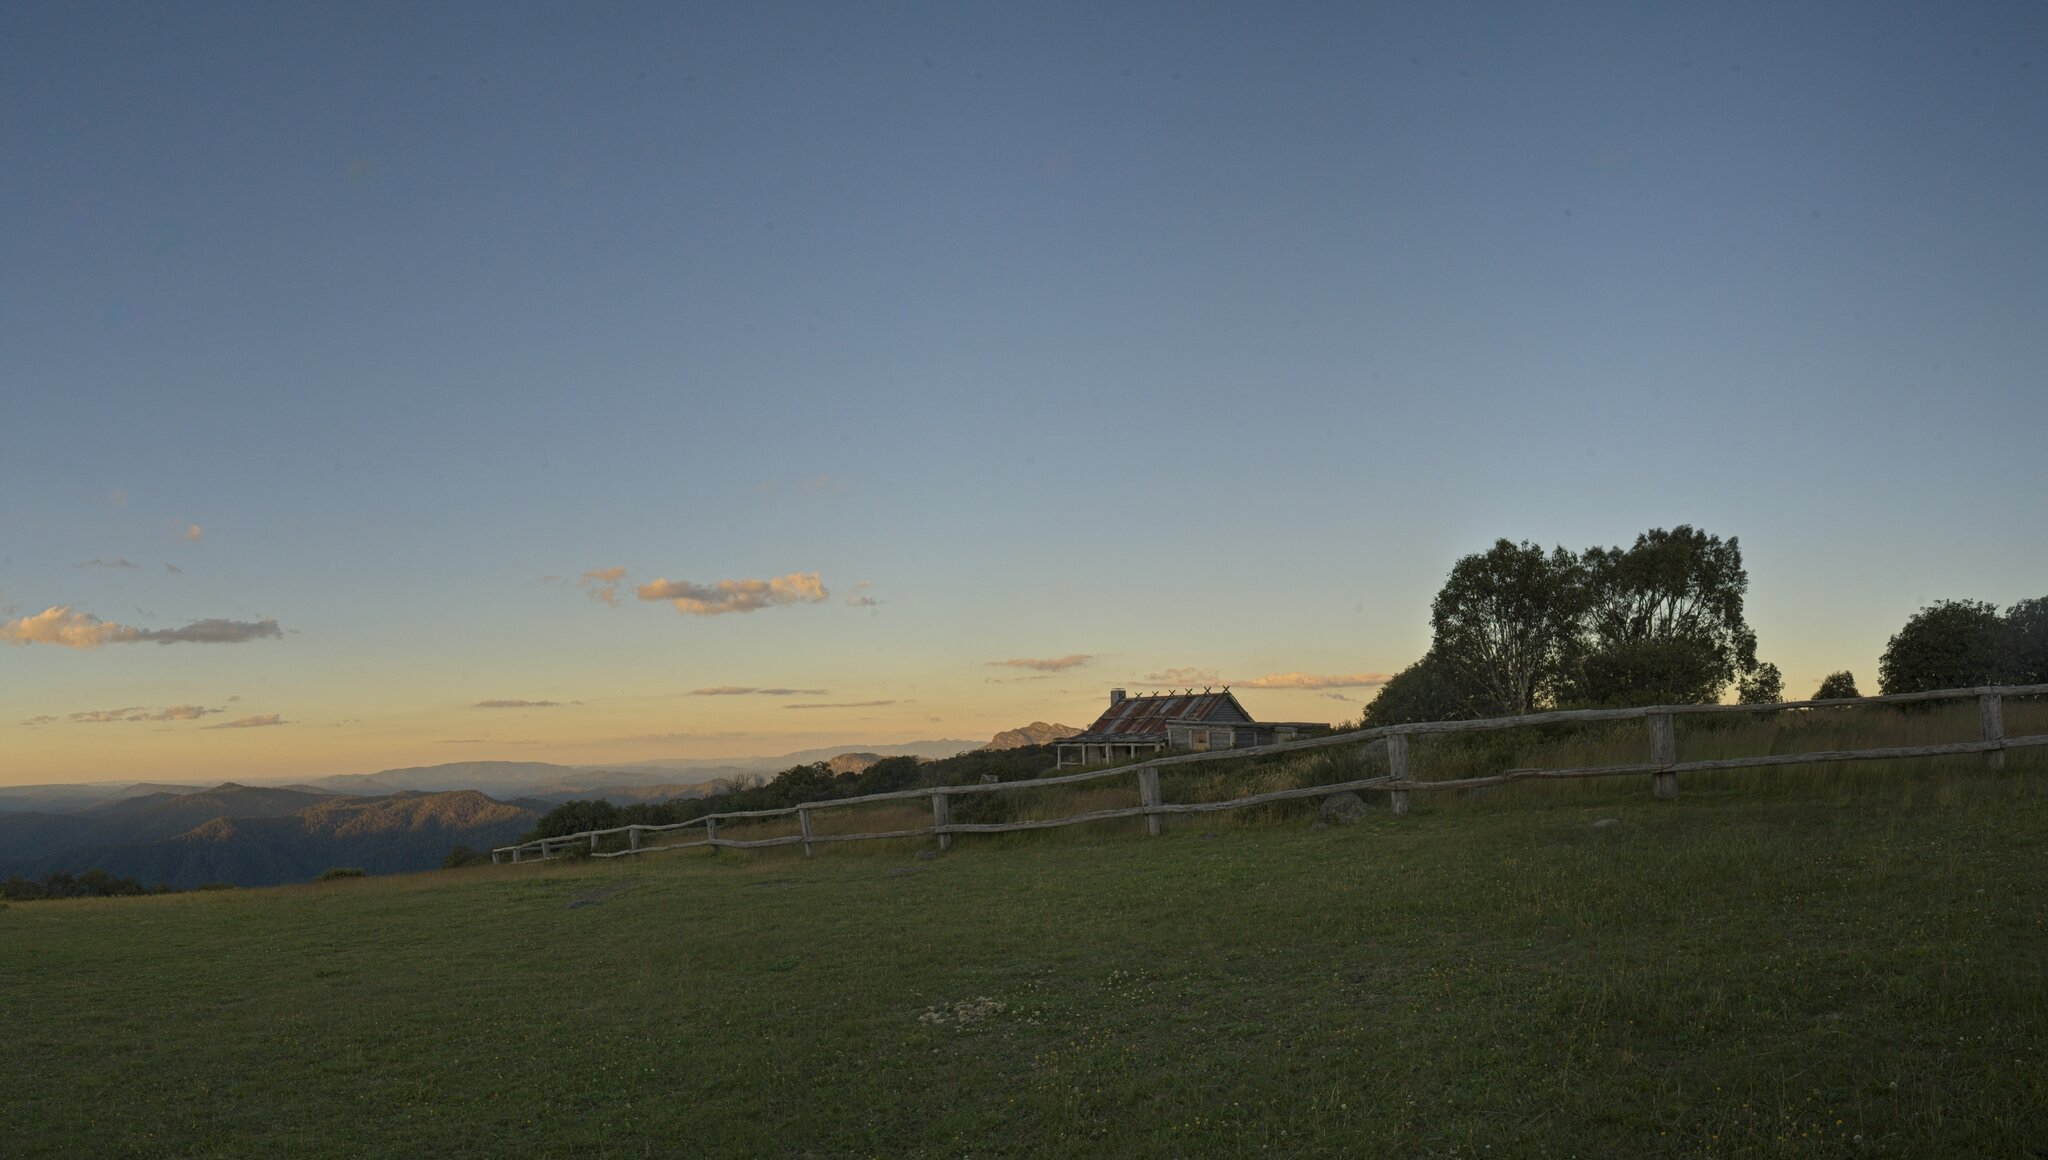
1950	644
1517	628
1504	622
1837	686
1956	644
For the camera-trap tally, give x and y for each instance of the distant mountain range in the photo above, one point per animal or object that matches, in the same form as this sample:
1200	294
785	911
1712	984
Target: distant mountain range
386	822
1036	733
252	836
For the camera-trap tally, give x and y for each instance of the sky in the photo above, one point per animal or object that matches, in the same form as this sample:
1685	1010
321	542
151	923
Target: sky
386	385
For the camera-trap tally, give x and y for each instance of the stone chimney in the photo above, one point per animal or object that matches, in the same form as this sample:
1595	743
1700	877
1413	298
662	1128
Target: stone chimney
1116	697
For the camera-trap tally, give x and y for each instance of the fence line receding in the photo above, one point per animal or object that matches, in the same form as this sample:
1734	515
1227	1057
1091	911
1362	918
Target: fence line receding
1663	768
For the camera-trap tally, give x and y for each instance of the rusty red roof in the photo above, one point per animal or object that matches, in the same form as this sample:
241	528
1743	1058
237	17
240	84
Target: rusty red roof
1147	714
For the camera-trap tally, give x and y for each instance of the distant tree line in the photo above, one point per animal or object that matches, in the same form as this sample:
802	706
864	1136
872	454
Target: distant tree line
793	786
1518	629
63	884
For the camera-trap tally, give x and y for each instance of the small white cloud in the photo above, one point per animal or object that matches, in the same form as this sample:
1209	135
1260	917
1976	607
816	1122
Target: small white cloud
1177	678
602	584
194	532
1317	681
103	716
840	705
749	690
97	562
516	704
249	722
61	625
1044	664
182	713
172	569
736	595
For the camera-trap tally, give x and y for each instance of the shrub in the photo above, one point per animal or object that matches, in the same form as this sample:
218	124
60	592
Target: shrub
334	872
462	856
1765	685
1836	686
215	886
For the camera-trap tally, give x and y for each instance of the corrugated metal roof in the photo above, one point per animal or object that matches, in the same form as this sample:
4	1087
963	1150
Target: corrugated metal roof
1147	715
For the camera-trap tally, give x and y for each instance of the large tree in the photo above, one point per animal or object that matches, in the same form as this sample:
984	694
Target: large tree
1664	621
1428	690
1504	622
1951	644
2026	642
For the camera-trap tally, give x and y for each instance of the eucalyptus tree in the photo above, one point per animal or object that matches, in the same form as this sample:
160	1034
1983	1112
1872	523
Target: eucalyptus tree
1504	622
1663	621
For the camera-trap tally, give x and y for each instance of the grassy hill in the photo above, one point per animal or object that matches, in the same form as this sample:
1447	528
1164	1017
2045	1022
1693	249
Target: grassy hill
1825	963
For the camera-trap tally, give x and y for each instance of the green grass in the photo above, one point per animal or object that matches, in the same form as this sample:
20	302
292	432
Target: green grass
1845	961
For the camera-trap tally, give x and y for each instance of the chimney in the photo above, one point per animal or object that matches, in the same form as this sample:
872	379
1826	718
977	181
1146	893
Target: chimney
1116	697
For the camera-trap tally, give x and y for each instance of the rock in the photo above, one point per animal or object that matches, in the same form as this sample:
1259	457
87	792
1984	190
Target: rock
1343	807
1603	823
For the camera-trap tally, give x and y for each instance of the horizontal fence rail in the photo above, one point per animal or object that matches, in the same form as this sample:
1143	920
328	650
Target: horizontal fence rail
1663	769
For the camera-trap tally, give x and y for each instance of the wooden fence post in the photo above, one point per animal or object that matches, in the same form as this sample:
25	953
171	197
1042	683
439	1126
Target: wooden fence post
494	857
803	822
1991	727
711	832
1664	752
632	837
593	843
942	815
1148	796
1397	765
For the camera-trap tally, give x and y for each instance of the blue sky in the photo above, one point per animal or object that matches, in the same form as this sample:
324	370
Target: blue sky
1189	339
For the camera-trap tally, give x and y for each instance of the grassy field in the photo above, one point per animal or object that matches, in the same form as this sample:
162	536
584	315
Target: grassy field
1841	961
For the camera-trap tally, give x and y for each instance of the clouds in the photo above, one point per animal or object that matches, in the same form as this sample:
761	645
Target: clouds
840	705
195	533
68	628
97	562
138	713
602	584
736	595
1193	676
859	598
214	630
1045	664
510	703
60	625
749	690
1317	681
249	722
1187	676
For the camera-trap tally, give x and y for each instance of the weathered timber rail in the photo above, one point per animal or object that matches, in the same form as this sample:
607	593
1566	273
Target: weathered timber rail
1663	768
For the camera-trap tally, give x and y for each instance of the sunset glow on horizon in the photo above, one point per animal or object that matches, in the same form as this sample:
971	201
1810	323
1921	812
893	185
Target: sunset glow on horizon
537	384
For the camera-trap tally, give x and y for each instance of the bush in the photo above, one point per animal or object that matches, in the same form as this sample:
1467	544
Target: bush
334	872
215	886
1837	686
462	856
1763	686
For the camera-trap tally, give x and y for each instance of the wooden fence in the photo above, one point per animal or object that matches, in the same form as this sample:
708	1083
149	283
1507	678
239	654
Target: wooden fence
1663	768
